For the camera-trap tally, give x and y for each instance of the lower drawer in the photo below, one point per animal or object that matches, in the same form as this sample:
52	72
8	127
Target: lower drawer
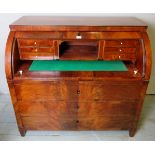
104	123
109	90
85	123
59	109
49	123
46	90
107	108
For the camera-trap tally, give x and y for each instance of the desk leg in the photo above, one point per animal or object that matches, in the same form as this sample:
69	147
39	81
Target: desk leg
132	132
22	132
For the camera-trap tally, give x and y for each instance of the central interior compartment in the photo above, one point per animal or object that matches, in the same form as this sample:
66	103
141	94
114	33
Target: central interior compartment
78	50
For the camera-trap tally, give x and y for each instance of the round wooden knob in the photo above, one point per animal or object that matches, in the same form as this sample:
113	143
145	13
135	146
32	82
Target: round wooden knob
78	91
36	50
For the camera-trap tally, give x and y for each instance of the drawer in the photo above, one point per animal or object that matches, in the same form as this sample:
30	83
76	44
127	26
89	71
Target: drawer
106	108
119	50
49	123
114	53
35	42
121	43
37	49
113	56
58	108
82	35
46	91
32	53
104	122
109	90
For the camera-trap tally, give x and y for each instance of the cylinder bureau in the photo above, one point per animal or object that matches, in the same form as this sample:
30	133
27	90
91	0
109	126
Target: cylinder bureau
77	73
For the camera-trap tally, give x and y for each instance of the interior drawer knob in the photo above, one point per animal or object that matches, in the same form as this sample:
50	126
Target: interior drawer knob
119	57
135	71
78	91
78	36
20	72
121	43
35	43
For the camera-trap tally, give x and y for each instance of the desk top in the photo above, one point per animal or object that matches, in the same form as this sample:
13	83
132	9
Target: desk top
28	23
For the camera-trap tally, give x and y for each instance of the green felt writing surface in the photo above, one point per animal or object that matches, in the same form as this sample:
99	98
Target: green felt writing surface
77	65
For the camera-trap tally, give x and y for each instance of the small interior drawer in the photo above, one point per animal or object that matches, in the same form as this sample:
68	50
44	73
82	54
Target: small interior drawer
121	53
119	50
109	56
35	42
37	50
121	43
36	53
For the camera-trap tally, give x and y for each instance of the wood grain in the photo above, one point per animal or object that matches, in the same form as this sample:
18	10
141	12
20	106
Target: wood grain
78	100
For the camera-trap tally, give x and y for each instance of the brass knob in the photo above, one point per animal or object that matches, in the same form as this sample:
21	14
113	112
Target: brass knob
119	57
20	72
121	43
35	43
135	72
78	36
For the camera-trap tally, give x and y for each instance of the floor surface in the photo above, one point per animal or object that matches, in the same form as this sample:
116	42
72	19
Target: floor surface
9	130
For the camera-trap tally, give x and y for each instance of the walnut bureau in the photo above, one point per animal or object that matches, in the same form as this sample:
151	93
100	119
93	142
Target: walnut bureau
77	99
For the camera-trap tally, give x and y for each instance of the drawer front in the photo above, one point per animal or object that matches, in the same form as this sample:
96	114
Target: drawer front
33	53
49	123
35	42
119	50
82	35
38	35
37	49
106	108
112	56
114	53
104	122
121	43
108	90
60	109
46	90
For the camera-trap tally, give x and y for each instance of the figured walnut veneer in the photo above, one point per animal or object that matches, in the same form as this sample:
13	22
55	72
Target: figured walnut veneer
78	100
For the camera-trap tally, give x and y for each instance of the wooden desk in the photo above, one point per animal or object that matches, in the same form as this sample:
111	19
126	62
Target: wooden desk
78	100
